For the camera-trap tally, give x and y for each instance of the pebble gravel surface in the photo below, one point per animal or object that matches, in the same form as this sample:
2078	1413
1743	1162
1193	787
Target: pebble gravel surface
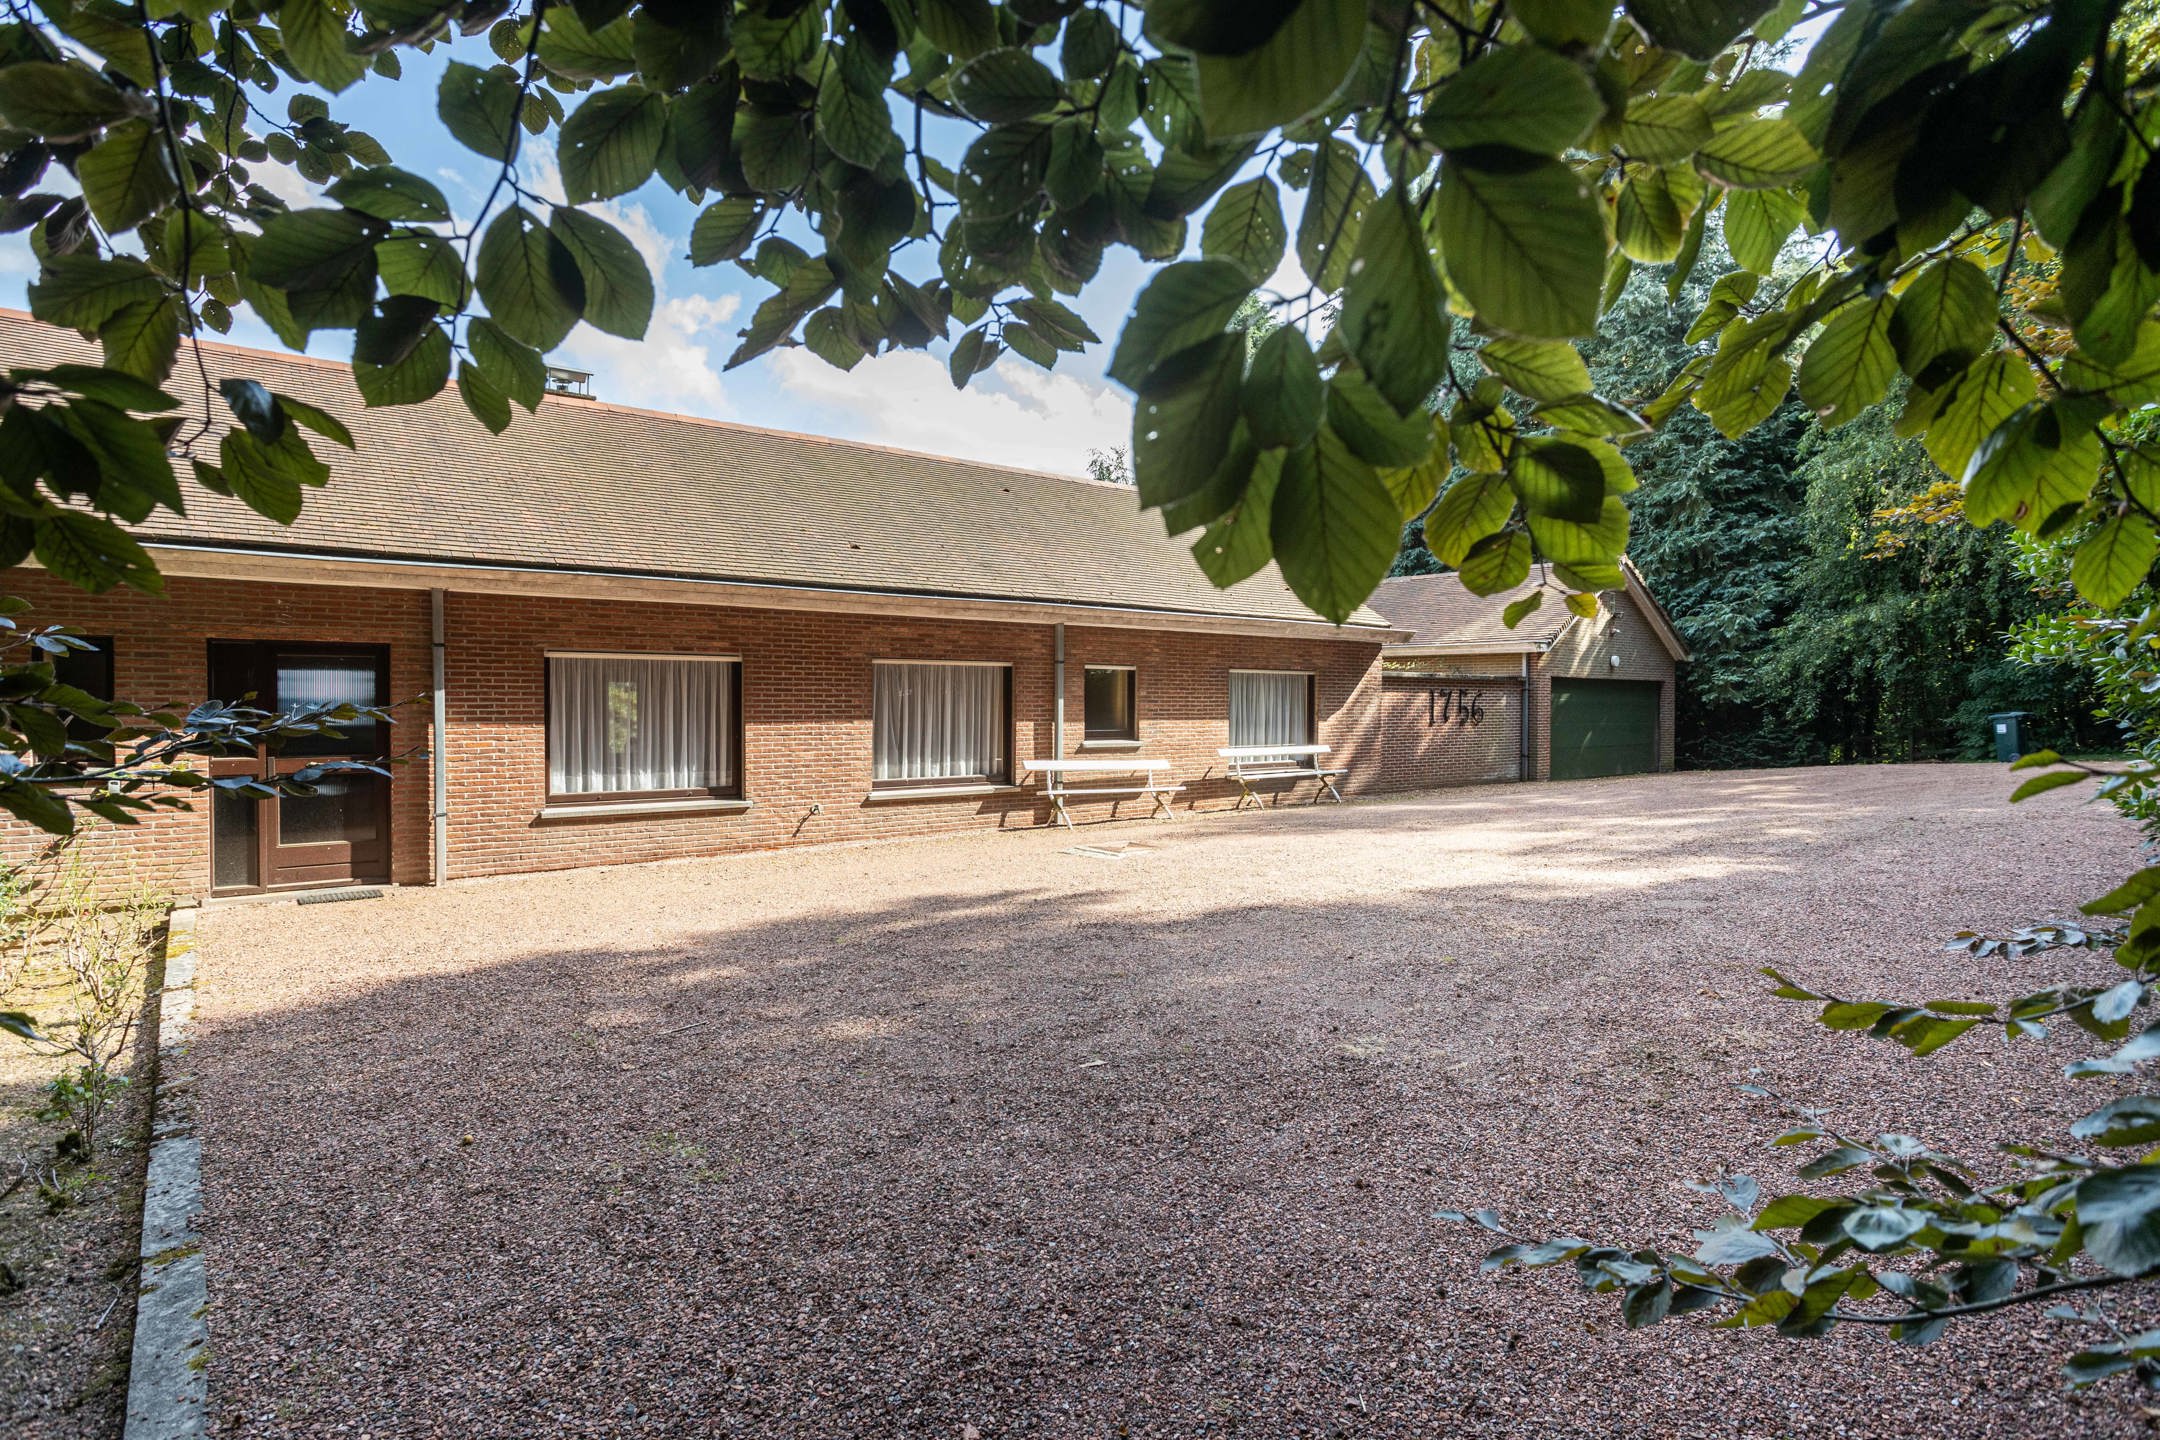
980	1138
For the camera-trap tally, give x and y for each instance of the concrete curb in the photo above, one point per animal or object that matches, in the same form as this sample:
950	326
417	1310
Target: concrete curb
168	1380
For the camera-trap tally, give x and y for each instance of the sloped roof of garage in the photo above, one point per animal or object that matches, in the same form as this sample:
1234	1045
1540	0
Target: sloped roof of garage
1444	615
591	487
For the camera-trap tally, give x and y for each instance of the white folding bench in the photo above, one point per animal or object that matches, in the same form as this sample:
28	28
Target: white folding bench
1135	779
1252	763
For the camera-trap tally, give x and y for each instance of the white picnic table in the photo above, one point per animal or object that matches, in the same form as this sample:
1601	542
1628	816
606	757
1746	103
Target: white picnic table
1136	779
1251	763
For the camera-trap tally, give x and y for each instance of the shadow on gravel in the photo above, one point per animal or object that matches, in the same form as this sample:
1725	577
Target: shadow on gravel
1152	1145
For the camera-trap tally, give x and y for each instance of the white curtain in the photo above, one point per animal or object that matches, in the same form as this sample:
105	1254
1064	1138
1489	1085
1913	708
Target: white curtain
621	724
307	680
1270	707
939	722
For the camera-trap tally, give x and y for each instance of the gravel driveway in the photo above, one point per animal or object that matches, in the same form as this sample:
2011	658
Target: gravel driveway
982	1137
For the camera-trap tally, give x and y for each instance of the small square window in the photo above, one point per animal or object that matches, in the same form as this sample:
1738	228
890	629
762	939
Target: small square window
1111	711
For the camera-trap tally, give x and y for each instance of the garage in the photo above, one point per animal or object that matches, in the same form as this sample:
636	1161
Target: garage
1604	727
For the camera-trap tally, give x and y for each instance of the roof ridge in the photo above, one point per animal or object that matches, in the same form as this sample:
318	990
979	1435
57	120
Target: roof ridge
318	362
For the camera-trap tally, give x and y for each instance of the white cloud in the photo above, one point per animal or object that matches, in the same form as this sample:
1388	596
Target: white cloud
673	367
1015	414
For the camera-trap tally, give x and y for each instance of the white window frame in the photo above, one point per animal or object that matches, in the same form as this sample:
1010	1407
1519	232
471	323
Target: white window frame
737	738
896	784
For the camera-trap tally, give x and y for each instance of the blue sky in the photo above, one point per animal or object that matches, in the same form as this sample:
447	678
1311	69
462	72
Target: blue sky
1017	414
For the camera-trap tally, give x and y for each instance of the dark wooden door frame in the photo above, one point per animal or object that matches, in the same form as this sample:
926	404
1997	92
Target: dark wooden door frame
290	867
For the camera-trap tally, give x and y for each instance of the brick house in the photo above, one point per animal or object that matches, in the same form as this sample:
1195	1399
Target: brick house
613	635
1464	699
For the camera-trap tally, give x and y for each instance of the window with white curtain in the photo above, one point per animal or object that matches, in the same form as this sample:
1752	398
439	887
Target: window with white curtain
1270	707
935	724
642	725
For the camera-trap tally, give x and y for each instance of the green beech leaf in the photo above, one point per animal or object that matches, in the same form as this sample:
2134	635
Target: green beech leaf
1519	96
1475	506
528	279
724	230
1660	129
1757	223
1540	369
423	264
1183	419
59	102
1525	243
610	143
1655	209
618	287
510	365
1989	392
2030	469
1947	311
1758	154
1237	545
1245	227
1496	563
1851	364
128	176
960	28
1559	479
1291	75
314	249
1698	28
1335	204
577	51
1004	85
416	375
1282	395
313	32
488	405
480	109
1188	303
388	193
1335	530
1394	316
2114	560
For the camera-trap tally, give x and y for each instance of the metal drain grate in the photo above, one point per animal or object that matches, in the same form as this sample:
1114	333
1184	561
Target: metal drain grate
327	897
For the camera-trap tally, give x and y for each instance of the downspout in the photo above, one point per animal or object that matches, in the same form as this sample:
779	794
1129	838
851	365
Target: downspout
438	764
1057	712
1524	771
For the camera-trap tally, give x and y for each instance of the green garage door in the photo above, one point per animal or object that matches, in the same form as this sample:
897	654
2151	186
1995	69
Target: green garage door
1603	727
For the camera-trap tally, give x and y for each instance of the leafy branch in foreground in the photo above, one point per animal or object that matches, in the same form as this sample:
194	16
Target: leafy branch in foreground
1465	186
1926	1242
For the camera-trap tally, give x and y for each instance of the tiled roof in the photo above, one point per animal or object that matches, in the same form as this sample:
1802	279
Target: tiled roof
587	486
1443	612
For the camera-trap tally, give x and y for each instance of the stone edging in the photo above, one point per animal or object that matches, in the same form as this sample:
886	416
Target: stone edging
168	1380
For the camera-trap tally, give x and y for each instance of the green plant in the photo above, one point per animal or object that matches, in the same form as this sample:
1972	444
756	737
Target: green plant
89	940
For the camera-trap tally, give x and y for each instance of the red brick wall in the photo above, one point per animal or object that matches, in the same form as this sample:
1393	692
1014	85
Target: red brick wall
1433	739
161	658
806	713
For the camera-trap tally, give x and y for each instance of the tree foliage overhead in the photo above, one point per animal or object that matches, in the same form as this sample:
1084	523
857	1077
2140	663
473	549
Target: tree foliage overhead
905	173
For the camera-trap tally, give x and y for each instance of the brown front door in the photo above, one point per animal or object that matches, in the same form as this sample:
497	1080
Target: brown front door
341	832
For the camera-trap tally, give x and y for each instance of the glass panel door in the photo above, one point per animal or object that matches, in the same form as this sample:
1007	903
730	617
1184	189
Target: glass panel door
341	831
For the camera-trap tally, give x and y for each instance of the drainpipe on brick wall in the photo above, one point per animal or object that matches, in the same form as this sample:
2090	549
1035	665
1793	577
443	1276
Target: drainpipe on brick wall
1524	771
438	763
1057	711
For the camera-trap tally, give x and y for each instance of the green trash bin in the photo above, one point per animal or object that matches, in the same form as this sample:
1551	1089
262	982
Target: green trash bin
2009	734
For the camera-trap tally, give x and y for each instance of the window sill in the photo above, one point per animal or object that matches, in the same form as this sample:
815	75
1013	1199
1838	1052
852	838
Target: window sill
938	792
636	809
1109	744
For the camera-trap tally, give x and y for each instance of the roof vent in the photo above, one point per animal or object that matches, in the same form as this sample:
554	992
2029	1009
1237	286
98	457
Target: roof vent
562	380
